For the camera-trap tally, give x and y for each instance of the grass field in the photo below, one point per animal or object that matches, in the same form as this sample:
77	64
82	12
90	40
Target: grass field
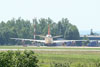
68	59
64	58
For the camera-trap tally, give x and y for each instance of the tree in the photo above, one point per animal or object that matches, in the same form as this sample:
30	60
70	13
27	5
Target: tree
18	59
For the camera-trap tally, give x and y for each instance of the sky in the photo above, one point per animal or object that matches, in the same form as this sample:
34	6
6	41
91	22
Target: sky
85	14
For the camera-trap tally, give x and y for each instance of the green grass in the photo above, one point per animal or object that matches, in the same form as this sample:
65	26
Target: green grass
47	58
64	58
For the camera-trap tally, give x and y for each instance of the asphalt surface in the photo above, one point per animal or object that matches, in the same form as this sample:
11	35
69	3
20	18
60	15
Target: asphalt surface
49	49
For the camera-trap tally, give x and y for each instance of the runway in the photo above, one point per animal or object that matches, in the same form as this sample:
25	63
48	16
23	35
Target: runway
51	50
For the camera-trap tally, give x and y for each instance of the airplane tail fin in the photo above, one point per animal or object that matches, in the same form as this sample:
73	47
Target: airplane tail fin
48	29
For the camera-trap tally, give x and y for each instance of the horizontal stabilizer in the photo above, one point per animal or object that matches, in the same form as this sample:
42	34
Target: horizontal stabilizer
41	36
57	36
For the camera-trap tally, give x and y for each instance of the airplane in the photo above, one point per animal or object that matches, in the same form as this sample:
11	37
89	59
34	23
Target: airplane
48	39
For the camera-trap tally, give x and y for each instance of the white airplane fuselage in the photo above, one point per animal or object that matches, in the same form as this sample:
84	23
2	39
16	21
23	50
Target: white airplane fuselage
48	39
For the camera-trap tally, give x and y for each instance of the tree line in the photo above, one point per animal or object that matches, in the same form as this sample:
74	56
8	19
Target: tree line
20	28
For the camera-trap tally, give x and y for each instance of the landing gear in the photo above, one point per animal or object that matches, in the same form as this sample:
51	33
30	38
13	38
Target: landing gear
23	43
64	44
50	45
73	43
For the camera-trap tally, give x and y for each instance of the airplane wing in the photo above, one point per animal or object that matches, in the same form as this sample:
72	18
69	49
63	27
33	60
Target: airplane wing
91	36
61	41
28	40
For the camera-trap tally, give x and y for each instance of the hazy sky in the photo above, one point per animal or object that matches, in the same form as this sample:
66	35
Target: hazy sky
85	14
